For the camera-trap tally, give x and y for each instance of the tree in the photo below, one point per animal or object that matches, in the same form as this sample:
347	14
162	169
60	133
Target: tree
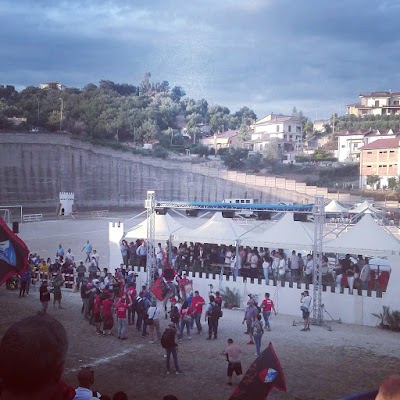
200	149
177	93
372	180
245	116
393	183
243	134
235	158
272	153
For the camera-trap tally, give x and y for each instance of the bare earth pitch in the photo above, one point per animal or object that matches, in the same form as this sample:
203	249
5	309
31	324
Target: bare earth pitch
317	364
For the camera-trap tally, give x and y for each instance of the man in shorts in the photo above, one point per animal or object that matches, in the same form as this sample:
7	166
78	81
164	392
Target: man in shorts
232	353
305	308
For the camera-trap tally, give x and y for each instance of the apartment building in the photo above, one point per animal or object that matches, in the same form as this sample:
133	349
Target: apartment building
380	158
284	129
376	103
351	141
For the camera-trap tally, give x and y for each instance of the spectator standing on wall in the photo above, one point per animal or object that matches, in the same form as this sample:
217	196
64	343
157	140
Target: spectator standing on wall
365	274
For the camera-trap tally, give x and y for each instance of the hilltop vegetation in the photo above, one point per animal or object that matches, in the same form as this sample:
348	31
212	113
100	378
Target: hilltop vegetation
110	111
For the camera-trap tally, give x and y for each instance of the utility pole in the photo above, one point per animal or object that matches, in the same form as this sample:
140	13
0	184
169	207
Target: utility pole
61	112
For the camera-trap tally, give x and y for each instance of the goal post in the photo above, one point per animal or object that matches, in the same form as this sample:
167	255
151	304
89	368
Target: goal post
11	213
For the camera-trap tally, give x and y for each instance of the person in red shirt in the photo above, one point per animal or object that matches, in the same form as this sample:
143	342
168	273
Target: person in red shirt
218	299
183	282
267	306
131	294
108	319
97	312
121	310
197	307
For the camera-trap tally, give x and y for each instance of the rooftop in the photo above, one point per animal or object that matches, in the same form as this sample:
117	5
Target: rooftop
380	94
382	144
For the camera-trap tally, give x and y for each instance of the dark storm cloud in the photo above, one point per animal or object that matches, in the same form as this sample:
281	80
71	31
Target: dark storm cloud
267	54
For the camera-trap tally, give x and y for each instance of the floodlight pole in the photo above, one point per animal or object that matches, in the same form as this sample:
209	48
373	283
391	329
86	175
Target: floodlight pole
318	212
150	206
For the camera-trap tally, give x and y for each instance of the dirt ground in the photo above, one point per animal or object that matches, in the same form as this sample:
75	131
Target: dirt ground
318	364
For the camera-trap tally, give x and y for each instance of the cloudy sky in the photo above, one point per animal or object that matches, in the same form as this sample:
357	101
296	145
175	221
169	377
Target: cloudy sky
270	55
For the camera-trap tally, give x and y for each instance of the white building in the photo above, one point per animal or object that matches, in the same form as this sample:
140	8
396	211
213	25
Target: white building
286	130
376	103
350	142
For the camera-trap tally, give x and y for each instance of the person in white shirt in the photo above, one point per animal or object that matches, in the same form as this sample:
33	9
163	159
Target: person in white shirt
69	256
228	255
309	268
154	313
266	266
159	255
86	380
96	257
275	266
253	265
294	266
305	308
282	268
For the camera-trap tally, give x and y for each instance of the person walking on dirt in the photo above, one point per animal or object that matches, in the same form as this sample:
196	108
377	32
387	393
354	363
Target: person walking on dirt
213	313
232	353
88	249
250	316
197	306
44	296
169	344
58	281
267	307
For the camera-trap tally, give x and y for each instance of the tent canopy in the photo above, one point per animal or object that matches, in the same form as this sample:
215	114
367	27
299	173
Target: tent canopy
366	238
365	208
284	234
165	226
217	230
335	208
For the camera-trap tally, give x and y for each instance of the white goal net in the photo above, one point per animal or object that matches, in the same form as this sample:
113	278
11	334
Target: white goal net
11	214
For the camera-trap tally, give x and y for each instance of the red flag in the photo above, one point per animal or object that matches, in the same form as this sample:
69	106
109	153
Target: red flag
159	289
263	375
13	253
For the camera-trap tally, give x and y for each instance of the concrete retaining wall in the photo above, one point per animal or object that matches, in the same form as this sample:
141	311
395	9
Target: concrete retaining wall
36	167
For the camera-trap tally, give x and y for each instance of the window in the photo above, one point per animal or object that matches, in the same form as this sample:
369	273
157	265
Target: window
290	128
277	128
343	146
290	137
376	103
369	152
391	151
369	166
395	102
382	152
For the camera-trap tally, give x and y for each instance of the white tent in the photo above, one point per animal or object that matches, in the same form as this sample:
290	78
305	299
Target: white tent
366	208
165	226
335	208
366	238
284	234
217	230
